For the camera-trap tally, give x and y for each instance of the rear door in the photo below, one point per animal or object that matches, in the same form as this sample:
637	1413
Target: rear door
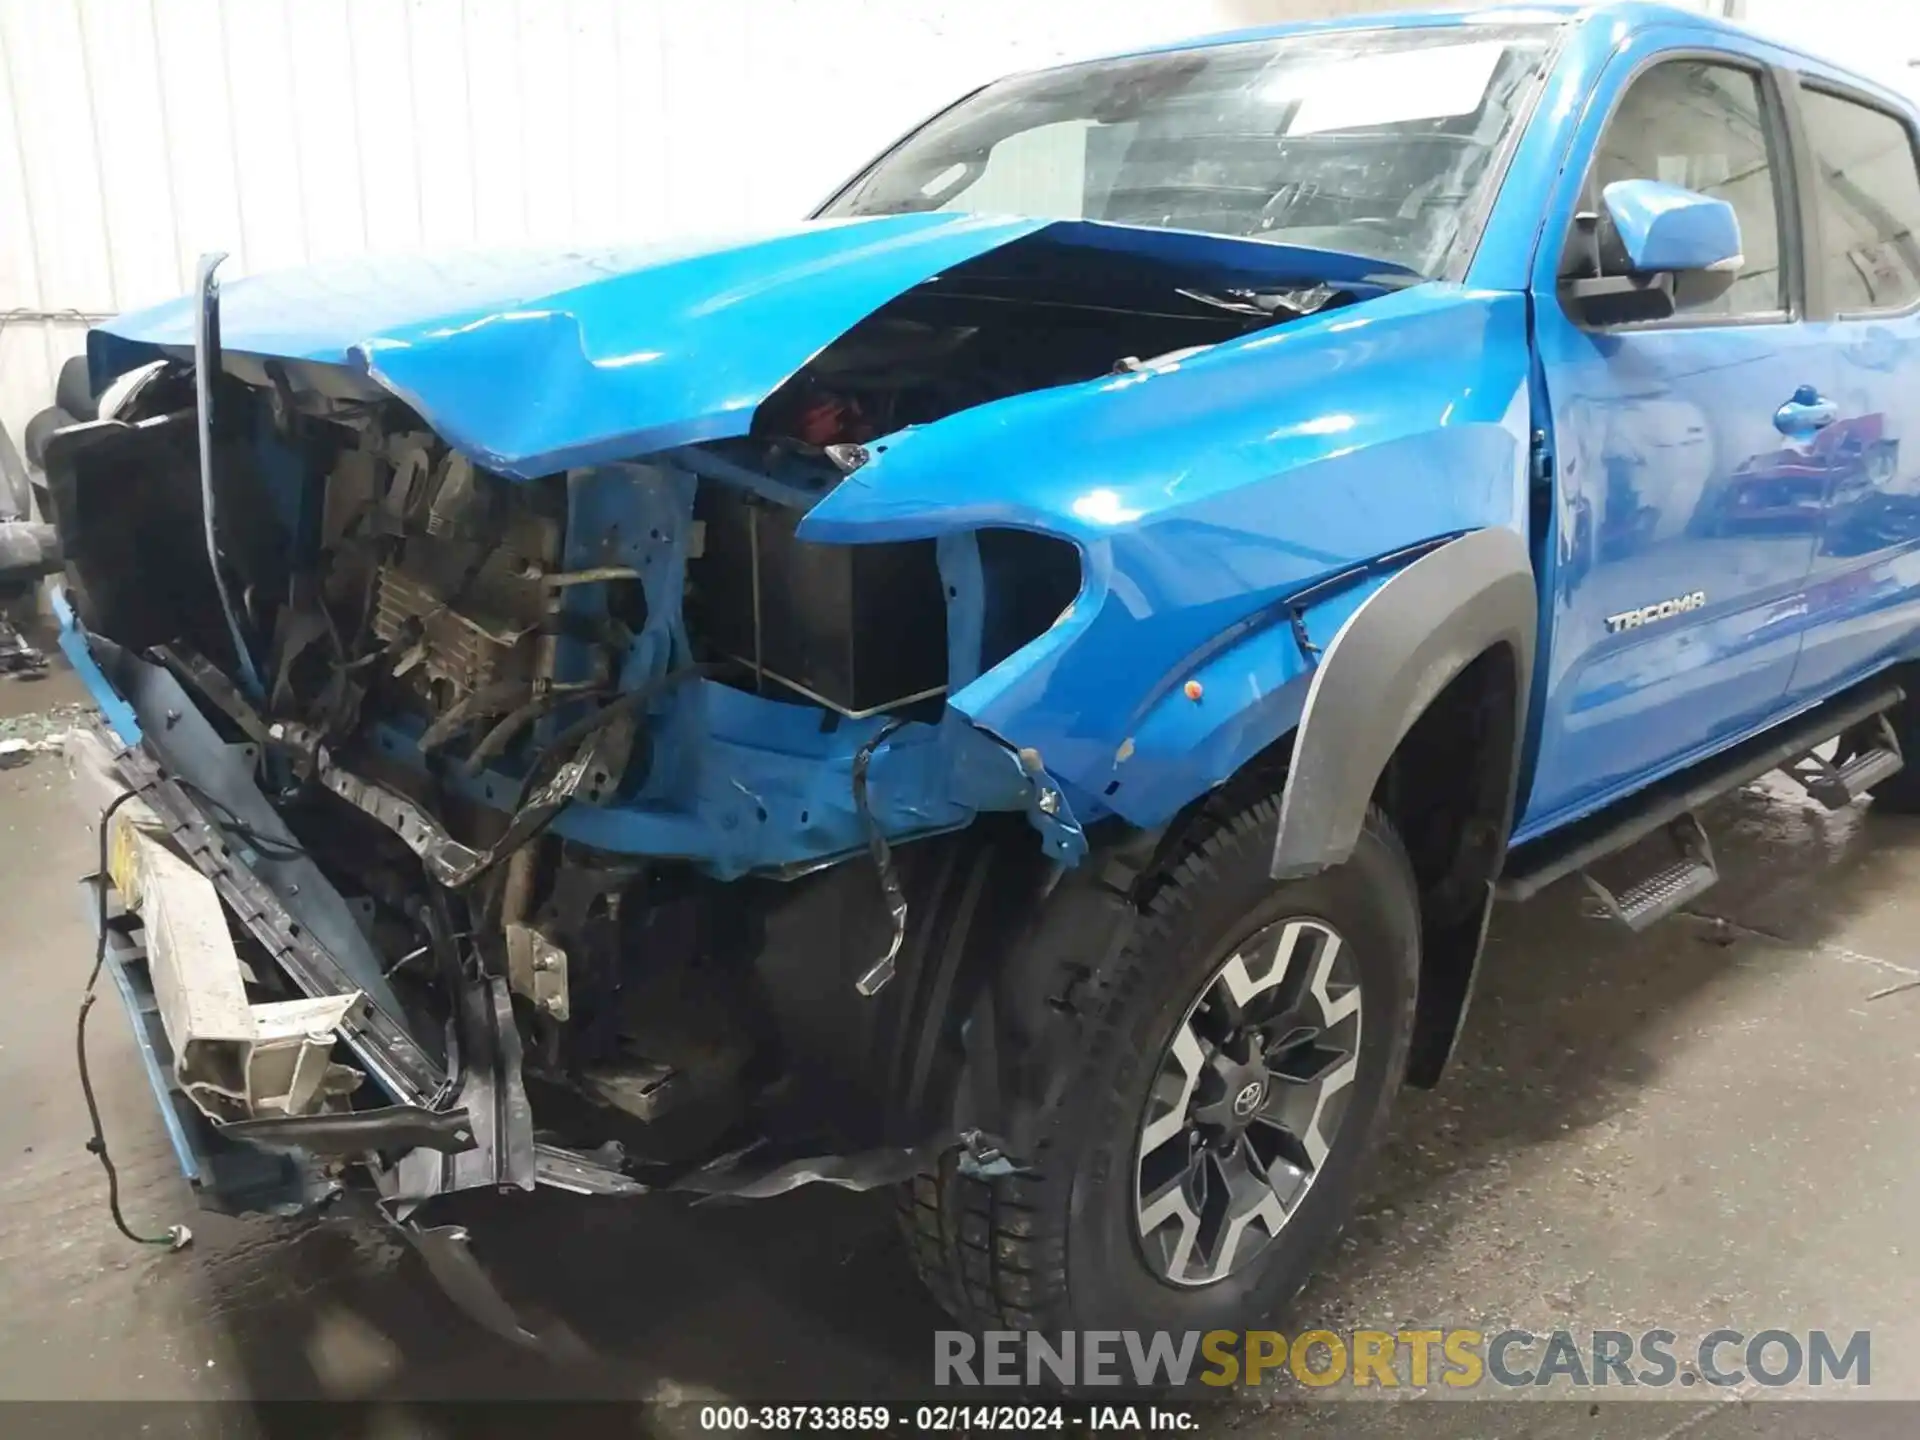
1862	190
1685	518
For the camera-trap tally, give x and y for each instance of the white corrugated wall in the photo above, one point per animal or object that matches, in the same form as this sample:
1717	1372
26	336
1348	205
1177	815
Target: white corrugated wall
1880	38
135	134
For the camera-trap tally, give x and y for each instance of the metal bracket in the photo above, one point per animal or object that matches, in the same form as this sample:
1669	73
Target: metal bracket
537	969
493	1094
449	861
354	1132
446	859
595	1173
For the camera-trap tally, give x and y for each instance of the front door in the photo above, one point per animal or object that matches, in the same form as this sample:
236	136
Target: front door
1685	514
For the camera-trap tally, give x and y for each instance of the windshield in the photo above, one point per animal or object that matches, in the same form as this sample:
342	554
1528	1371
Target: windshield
1377	142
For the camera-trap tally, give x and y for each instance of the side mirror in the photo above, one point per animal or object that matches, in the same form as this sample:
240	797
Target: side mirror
1665	228
1668	238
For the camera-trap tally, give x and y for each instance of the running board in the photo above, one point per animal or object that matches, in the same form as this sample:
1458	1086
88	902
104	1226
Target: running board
1871	754
1657	895
1534	866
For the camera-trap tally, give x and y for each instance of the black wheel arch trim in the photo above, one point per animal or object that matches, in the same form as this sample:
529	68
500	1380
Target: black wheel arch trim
1385	666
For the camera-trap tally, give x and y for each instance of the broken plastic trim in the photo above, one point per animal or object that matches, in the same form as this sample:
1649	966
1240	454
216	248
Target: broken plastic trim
447	1251
753	1173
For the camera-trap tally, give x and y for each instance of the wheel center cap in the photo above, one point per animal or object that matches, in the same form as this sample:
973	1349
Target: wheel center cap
1251	1097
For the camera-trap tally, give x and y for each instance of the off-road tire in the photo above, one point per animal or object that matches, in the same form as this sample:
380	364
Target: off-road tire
1899	793
1058	1249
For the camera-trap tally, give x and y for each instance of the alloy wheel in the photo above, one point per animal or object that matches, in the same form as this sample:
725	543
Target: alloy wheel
1246	1101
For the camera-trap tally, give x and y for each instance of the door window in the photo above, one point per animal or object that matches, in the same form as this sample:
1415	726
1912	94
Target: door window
1867	189
1707	127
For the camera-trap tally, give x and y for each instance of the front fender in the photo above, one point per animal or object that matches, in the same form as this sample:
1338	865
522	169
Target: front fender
1391	659
1201	494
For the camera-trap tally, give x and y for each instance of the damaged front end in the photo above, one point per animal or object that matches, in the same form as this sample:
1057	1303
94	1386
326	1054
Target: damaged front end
522	797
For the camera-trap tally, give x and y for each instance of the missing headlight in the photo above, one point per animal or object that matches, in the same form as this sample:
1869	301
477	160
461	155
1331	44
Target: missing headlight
857	628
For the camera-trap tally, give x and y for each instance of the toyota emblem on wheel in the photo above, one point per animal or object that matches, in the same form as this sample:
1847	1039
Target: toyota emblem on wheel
1250	1092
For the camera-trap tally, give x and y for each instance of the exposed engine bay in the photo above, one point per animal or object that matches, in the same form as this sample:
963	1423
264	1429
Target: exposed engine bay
594	788
1013	321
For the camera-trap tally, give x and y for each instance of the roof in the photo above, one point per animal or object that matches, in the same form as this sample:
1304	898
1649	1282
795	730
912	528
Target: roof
1547	14
1636	13
1633	14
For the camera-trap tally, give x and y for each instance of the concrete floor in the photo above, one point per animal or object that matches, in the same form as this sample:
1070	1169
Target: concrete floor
1713	1123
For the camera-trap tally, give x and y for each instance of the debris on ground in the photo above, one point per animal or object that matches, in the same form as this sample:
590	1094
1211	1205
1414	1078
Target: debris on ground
43	732
18	752
18	659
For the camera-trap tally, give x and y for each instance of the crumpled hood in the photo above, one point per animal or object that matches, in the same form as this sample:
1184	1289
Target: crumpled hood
535	362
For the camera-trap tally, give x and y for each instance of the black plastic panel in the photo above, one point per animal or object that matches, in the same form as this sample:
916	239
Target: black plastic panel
857	627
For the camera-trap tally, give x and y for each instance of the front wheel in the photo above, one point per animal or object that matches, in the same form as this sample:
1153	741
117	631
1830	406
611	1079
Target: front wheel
1233	1076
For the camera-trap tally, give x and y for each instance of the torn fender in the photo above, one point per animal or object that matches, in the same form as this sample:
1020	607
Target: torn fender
1202	493
532	363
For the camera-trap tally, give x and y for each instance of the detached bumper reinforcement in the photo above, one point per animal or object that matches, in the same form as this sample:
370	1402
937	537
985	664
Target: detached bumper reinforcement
227	1176
377	1040
269	1164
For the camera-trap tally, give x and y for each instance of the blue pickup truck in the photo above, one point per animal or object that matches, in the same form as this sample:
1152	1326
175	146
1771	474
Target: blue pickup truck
1024	687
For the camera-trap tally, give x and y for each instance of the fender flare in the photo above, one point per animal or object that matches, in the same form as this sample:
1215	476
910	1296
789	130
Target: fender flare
1385	666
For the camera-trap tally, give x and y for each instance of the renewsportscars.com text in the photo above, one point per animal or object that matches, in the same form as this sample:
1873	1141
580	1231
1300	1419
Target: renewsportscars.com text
1456	1359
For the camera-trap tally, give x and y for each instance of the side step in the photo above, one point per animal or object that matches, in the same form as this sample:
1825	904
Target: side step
1534	866
1656	896
1864	758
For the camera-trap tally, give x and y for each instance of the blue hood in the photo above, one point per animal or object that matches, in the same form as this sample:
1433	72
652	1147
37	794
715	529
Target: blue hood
532	363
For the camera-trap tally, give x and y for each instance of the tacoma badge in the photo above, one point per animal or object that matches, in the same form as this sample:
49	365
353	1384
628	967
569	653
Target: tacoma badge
1647	614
